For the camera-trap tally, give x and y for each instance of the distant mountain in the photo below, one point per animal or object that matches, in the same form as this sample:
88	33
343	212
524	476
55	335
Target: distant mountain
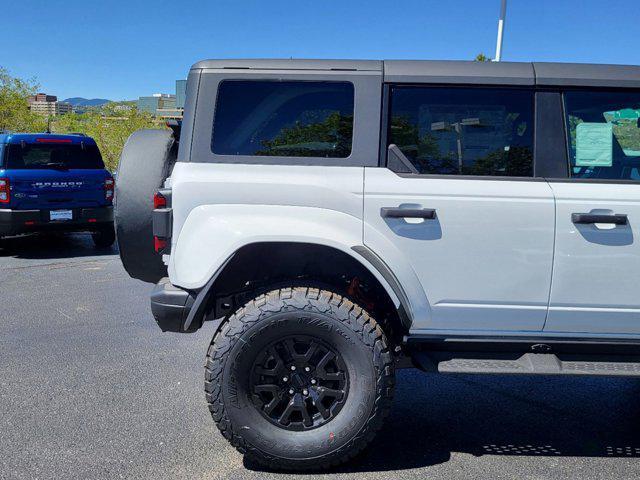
87	102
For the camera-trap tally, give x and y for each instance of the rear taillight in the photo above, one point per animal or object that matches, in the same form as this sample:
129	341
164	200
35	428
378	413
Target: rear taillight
162	218
159	201
159	244
5	190
109	188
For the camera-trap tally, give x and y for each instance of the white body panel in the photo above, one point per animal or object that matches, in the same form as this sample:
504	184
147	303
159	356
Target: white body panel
484	263
198	184
218	208
596	273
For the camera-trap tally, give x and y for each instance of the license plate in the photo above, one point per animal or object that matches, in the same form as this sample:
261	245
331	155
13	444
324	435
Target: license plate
61	215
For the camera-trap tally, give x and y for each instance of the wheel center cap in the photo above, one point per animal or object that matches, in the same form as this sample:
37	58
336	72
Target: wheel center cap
298	380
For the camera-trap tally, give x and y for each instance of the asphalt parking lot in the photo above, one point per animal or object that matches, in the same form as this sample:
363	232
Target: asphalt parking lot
90	388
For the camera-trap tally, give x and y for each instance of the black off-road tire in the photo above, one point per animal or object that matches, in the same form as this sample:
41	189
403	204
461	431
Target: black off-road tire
105	237
146	161
309	312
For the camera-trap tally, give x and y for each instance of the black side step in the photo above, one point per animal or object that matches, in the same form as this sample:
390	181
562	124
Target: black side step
527	363
524	344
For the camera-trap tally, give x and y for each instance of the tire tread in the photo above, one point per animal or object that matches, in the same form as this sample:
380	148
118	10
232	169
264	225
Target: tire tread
320	301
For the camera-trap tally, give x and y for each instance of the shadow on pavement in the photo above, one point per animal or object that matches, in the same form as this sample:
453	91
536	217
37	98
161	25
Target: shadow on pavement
435	415
52	245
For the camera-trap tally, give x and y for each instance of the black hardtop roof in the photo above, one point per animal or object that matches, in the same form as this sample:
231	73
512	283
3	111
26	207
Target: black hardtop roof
291	64
456	71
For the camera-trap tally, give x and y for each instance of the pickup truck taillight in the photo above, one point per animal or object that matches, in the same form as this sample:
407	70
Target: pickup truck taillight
109	188
162	221
5	190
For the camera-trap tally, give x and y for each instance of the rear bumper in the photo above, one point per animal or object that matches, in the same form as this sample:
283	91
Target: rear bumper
171	305
14	222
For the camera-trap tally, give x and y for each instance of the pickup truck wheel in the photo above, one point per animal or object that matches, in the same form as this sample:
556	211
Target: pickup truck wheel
105	237
299	379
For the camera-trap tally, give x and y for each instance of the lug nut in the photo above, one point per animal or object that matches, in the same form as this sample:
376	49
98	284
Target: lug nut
285	379
305	392
293	367
313	381
307	369
291	392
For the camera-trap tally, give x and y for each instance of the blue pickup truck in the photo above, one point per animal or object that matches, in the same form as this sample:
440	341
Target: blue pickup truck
51	182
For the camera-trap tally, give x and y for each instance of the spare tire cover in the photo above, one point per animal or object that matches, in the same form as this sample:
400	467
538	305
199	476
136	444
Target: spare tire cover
145	162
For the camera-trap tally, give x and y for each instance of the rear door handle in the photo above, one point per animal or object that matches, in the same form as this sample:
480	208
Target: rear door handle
585	218
394	212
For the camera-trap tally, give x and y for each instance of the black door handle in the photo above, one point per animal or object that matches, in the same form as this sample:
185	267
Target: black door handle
392	212
583	218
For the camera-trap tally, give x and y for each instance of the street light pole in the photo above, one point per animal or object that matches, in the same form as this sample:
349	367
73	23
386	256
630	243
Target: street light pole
503	14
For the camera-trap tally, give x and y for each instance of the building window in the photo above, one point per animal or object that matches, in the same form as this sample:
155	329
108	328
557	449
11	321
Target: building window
603	130
463	131
284	119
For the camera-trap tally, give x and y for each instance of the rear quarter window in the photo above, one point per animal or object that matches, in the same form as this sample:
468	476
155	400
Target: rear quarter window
284	119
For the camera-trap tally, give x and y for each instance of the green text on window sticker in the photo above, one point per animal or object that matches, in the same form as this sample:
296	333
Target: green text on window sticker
594	145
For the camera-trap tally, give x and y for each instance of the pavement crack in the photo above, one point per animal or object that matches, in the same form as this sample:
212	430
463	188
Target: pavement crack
68	317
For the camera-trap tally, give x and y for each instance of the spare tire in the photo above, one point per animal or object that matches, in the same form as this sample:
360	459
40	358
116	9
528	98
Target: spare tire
145	163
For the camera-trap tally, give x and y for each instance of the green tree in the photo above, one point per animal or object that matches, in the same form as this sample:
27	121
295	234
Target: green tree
14	107
109	127
481	57
313	136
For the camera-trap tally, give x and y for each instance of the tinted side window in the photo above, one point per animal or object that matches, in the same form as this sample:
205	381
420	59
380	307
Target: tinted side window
285	119
603	131
464	131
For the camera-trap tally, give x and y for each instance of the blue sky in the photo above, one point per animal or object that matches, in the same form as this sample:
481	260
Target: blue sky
120	50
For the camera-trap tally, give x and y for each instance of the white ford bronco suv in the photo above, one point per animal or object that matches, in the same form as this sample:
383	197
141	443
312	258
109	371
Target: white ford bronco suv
336	220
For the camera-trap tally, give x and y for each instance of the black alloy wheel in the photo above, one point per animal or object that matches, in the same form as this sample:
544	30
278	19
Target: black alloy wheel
299	383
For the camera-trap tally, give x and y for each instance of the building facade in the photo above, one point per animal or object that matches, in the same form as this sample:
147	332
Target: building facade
48	105
157	101
165	106
181	90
